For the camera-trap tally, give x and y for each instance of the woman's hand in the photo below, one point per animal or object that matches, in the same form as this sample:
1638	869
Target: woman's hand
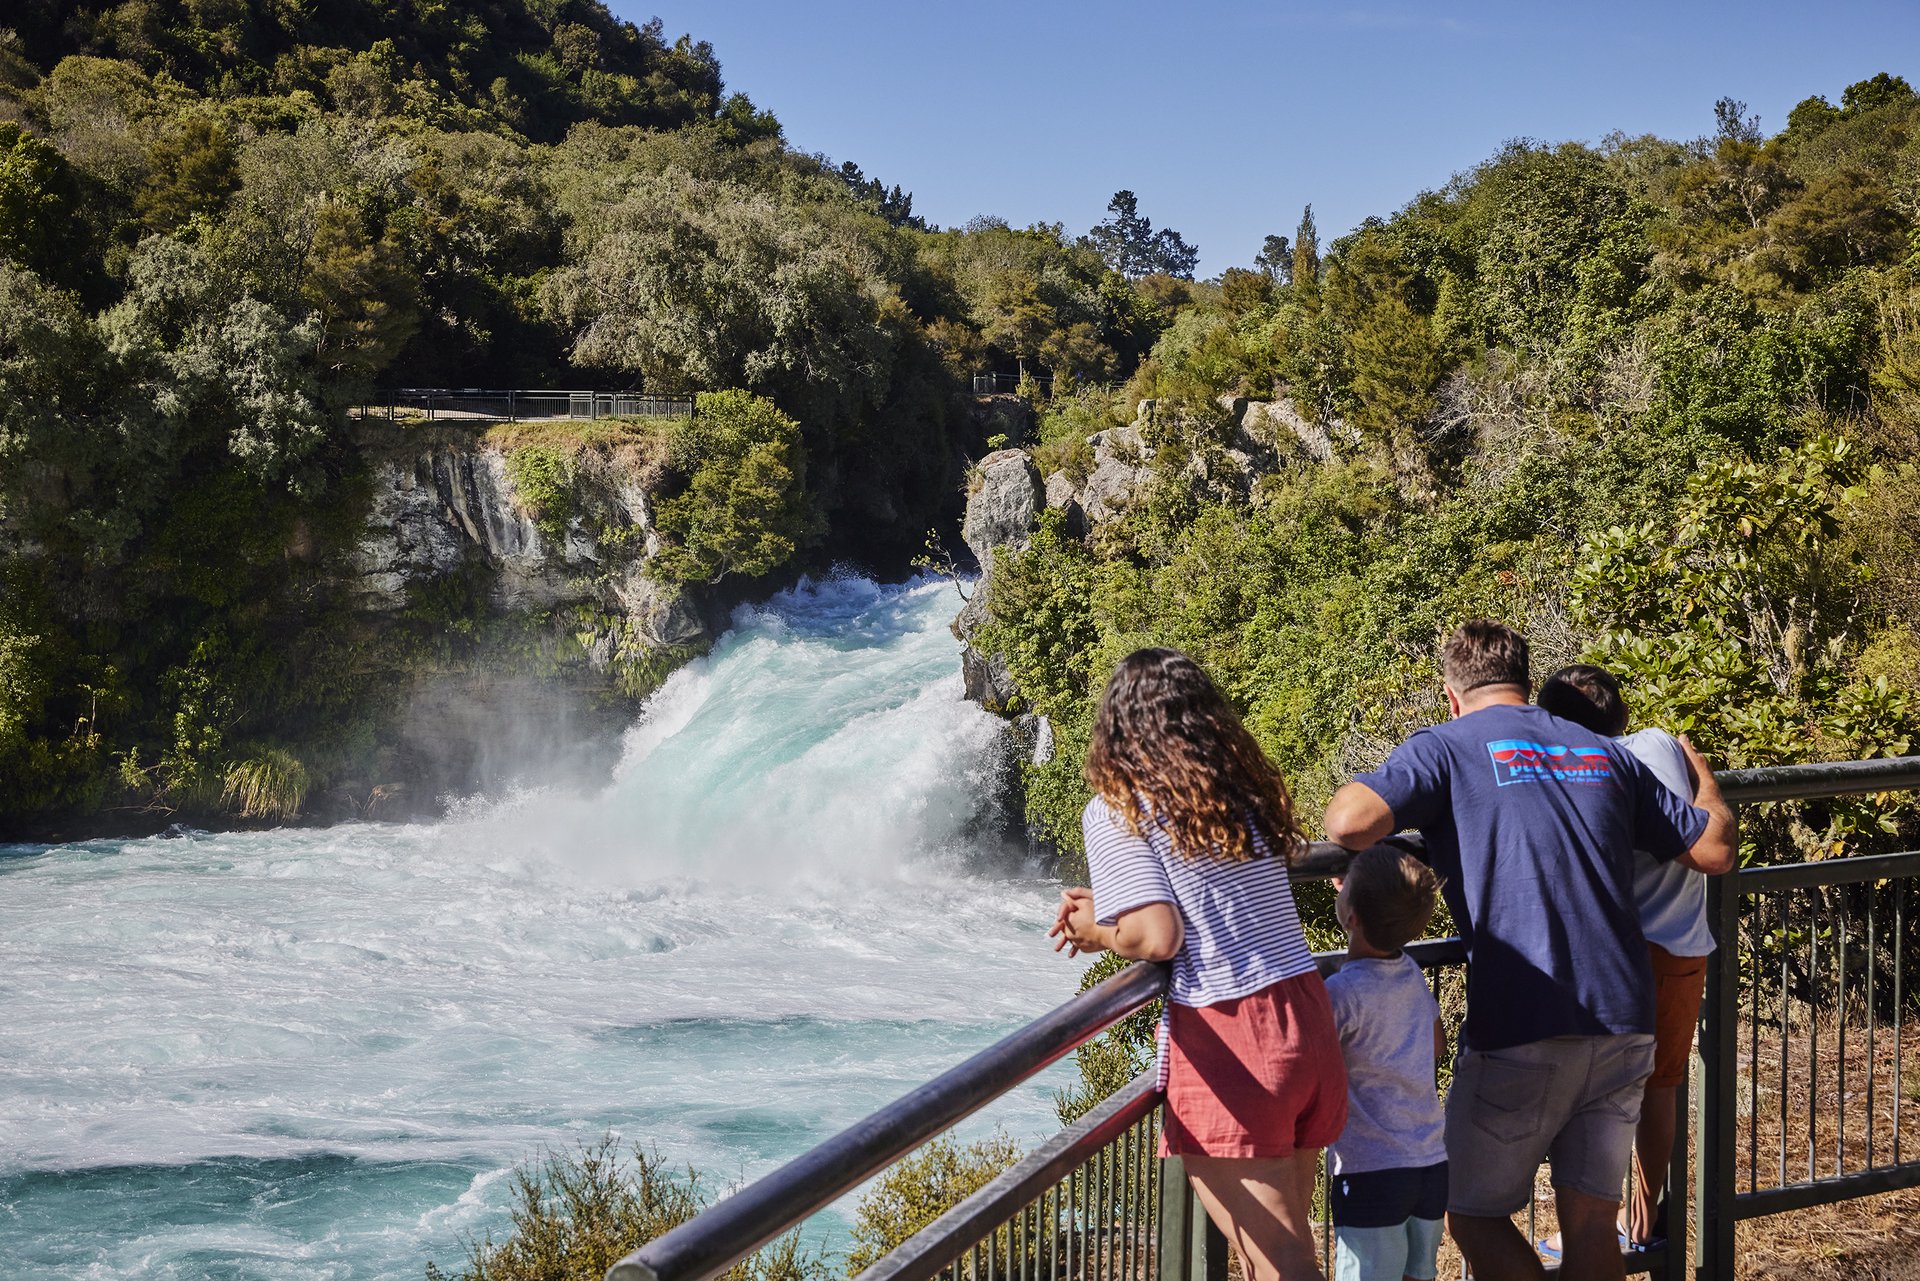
1074	925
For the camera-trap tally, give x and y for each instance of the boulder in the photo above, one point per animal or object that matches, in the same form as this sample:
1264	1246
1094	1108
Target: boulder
1063	498
1001	509
661	614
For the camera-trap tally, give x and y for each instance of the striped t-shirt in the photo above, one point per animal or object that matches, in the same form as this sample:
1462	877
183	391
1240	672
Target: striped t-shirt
1242	931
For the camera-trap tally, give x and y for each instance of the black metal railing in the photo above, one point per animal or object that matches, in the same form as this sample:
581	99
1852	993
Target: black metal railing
1805	1033
484	405
989	384
1092	1203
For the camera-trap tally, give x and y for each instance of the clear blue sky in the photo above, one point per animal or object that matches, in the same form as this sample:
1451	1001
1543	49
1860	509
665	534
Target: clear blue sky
1226	118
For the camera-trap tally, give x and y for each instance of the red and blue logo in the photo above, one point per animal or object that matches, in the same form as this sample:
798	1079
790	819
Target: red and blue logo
1516	760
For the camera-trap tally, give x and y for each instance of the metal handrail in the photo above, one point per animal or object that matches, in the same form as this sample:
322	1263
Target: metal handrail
760	1212
736	1227
1827	778
955	1232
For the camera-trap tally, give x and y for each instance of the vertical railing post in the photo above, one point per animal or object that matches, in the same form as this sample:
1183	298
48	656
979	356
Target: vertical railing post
1190	1247
1677	1265
1714	1196
1175	1235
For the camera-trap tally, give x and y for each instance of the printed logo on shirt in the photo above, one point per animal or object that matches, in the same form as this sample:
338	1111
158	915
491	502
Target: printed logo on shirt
1516	760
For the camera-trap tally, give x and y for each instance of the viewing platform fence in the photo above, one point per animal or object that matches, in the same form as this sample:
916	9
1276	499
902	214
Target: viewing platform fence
1807	990
481	405
992	384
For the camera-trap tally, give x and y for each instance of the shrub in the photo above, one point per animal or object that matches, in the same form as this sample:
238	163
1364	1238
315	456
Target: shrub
576	1214
920	1189
270	784
744	508
542	477
1111	1060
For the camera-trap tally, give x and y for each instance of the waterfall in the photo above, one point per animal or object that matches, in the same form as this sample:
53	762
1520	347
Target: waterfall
318	1052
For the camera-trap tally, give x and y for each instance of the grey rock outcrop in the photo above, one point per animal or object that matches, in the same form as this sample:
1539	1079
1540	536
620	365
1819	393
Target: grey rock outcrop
1120	469
582	622
1001	509
1277	426
1064	498
1228	455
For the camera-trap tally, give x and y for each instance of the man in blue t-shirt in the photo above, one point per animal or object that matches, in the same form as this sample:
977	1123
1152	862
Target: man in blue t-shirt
1532	823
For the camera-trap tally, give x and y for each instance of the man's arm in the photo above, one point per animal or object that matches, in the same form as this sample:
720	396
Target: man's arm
1357	817
1718	849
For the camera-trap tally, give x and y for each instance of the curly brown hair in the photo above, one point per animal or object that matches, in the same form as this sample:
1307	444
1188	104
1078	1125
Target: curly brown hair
1169	751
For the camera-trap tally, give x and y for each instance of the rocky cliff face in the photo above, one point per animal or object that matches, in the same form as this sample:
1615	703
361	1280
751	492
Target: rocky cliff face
1249	440
560	624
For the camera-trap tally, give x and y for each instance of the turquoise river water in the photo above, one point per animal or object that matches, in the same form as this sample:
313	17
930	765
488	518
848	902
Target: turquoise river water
318	1053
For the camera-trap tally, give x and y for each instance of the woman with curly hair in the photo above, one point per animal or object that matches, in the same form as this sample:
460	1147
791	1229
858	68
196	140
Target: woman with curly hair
1189	835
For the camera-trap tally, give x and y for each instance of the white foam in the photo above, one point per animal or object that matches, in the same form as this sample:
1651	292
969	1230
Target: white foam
774	919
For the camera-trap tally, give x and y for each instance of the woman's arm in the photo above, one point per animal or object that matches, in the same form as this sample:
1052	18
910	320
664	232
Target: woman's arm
1150	932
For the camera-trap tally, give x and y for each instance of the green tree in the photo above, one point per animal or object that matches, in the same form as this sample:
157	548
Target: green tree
361	293
191	171
1276	259
1133	248
1737	621
1306	258
39	206
744	508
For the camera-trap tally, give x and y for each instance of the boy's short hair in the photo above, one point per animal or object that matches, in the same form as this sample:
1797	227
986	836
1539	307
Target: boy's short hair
1588	696
1393	894
1483	652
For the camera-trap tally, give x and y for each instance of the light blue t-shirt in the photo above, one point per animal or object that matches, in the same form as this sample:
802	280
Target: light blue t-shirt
1386	1015
1672	898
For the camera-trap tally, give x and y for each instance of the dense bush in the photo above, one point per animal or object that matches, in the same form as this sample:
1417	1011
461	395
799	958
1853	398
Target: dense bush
743	507
919	1189
575	1214
1652	402
221	226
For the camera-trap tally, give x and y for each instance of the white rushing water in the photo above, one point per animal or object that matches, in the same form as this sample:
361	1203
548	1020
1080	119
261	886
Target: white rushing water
317	1053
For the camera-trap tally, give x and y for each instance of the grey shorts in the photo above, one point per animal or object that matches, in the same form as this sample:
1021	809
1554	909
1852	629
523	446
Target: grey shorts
1573	1100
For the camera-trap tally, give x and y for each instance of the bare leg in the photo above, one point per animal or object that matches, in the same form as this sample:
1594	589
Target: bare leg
1264	1206
1495	1249
1653	1150
1589	1237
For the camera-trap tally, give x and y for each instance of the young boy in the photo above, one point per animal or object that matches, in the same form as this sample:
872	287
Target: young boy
1387	1174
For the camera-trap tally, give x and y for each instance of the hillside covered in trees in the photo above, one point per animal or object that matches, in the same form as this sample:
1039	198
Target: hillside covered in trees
223	225
1656	402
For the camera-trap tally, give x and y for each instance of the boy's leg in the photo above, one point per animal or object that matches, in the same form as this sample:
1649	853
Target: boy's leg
1679	983
1264	1206
1653	1148
1369	1254
1423	1249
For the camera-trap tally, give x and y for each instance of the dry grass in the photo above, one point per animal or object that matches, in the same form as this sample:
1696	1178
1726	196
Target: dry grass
1874	1238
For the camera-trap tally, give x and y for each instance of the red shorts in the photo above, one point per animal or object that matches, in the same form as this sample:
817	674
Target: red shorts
1257	1076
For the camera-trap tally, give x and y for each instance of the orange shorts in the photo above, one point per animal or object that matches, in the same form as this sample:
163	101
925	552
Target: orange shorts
1678	984
1257	1076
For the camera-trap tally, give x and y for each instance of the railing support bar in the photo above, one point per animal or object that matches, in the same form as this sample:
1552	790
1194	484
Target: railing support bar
1713	1200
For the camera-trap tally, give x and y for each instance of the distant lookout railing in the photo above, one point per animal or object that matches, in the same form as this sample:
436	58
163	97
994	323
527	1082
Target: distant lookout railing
481	405
1808	987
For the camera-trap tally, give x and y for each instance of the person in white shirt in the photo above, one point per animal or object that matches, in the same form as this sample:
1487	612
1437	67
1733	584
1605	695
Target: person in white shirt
1189	836
1387	1172
1672	902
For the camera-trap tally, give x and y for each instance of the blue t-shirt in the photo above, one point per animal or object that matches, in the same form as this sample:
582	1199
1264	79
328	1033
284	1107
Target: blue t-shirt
1532	823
